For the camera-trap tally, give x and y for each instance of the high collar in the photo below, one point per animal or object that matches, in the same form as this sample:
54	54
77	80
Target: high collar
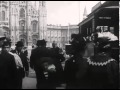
17	52
0	50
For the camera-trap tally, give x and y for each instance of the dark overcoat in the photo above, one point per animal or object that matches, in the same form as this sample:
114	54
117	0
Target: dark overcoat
8	71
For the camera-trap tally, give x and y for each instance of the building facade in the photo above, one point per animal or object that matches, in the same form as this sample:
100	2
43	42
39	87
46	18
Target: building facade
23	21
60	34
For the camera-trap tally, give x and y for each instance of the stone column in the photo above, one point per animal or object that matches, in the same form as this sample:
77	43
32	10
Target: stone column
93	25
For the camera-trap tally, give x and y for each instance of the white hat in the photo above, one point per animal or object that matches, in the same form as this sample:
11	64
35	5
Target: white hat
108	35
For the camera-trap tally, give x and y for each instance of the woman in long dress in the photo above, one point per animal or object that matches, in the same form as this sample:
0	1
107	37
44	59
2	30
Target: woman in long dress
99	71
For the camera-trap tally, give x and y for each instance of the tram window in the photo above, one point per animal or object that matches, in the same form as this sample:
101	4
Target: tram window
105	28
112	30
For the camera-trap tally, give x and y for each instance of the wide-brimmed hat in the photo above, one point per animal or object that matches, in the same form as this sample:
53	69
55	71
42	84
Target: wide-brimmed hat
19	44
78	43
2	38
6	43
106	37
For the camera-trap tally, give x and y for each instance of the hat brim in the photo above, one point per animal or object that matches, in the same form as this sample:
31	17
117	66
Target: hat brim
19	45
2	38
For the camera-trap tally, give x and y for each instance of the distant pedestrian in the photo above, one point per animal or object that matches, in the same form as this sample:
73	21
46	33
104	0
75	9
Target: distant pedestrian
59	58
89	49
25	51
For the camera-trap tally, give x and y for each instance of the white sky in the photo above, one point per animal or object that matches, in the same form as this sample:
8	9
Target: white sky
64	12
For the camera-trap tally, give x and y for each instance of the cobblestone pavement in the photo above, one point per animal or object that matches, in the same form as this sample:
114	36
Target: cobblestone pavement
30	81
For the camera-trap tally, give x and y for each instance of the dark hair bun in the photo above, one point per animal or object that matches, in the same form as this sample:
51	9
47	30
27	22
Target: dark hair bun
78	43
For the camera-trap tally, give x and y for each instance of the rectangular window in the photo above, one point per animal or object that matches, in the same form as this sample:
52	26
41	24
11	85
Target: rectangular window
112	30
105	28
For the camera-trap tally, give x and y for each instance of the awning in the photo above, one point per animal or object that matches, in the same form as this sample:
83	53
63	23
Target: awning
112	7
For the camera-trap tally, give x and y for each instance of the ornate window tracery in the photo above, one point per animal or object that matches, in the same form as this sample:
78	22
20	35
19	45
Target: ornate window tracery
3	15
22	13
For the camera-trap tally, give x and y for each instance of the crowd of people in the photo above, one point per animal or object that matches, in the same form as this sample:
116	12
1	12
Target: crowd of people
90	64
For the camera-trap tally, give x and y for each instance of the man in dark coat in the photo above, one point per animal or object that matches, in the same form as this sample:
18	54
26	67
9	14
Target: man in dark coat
58	52
41	57
8	70
71	65
40	51
58	57
21	72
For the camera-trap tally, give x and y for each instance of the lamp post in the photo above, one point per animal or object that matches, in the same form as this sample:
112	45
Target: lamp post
27	24
79	9
68	32
15	27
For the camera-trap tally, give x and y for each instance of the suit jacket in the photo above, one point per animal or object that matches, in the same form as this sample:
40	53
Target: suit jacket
57	54
38	53
8	71
38	57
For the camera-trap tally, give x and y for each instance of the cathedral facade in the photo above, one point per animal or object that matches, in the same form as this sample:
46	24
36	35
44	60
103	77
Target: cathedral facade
27	22
23	22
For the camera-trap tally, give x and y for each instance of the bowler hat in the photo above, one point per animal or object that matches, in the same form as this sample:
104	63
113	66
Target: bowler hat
19	44
6	43
2	38
41	42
